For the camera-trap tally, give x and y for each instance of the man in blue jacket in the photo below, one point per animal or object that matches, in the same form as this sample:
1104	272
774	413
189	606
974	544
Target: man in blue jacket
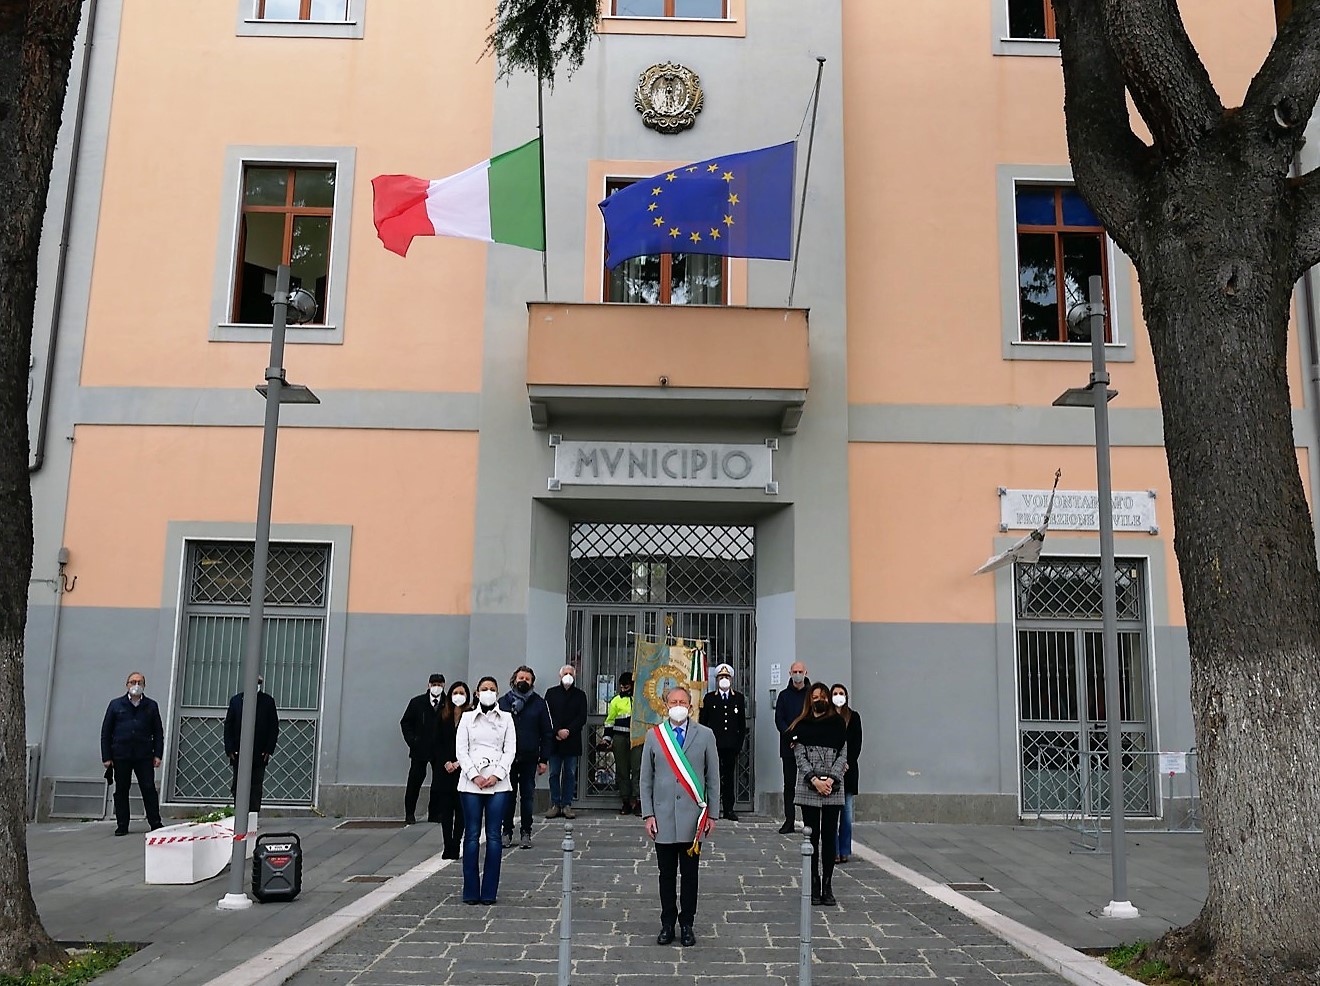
531	722
132	743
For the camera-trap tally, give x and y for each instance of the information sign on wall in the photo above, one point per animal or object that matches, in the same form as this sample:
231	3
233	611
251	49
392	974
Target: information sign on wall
1076	510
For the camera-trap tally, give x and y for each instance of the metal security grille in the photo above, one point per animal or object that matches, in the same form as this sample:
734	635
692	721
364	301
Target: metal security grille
219	581
693	582
701	565
1061	690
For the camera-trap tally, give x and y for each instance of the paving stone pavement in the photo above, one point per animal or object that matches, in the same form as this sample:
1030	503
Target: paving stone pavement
746	926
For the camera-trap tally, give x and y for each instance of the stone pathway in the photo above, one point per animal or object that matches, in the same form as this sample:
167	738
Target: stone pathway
746	926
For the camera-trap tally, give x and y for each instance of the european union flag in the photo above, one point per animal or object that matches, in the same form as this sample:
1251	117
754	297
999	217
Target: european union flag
740	205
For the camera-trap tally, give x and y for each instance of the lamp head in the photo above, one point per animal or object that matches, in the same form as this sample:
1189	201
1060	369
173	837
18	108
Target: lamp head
302	306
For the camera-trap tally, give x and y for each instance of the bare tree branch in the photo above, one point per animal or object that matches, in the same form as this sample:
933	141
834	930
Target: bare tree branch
1285	90
1168	82
1107	157
1305	207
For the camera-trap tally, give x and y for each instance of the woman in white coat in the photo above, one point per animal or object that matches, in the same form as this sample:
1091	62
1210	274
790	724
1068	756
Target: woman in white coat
485	748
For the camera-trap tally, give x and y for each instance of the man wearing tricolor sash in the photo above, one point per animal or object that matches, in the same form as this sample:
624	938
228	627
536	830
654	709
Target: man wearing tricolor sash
680	784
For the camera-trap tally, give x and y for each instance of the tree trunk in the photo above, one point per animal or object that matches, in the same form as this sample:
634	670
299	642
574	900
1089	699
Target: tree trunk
1213	261
36	43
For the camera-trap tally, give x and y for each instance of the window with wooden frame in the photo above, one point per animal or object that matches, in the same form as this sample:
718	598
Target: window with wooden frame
1033	19
287	215
687	9
302	10
667	278
1060	246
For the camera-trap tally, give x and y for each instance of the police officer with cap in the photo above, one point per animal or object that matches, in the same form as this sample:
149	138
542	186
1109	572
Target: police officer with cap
724	712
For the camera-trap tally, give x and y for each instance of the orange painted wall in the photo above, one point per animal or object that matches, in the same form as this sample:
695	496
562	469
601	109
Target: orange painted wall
411	324
930	112
924	517
410	497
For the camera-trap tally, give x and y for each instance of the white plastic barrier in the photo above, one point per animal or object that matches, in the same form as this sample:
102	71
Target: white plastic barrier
192	852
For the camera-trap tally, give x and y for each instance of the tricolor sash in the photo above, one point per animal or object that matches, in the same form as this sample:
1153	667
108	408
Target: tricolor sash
686	776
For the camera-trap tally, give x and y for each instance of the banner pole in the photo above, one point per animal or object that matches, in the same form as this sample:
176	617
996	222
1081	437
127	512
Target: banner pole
806	178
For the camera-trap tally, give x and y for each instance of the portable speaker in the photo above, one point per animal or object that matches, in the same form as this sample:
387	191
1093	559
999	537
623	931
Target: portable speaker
277	867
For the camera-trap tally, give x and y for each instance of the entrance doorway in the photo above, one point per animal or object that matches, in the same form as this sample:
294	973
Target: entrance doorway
695	582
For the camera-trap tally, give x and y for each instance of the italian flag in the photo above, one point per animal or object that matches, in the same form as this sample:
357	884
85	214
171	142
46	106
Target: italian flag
498	201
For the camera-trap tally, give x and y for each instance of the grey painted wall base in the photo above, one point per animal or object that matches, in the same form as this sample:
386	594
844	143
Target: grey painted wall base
386	800
954	809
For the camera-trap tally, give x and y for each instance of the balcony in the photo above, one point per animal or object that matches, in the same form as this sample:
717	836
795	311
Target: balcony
716	363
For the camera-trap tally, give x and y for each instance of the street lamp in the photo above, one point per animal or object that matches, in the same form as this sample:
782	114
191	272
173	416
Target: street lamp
298	306
1090	396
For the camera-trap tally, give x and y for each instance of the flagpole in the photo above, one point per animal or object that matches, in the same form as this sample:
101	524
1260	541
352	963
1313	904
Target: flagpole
806	177
540	129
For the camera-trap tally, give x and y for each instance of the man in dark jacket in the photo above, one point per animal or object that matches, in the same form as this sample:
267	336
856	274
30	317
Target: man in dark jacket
132	743
531	721
568	717
421	731
788	706
267	735
724	712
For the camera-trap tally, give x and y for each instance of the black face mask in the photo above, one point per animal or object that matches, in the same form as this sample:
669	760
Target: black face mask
819	706
524	686
625	690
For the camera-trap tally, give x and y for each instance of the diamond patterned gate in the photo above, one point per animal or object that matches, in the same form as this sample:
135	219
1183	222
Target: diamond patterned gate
1061	689
217	595
691	581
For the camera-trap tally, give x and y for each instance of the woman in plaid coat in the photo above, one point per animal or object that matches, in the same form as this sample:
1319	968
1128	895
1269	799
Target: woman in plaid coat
820	740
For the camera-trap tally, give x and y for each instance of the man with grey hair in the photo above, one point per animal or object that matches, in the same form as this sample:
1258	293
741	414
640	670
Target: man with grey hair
568	717
680	781
132	743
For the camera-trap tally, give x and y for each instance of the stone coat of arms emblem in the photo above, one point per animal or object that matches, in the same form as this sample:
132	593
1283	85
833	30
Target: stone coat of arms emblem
669	97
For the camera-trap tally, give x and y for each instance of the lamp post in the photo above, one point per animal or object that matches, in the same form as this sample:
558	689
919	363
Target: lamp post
301	307
1097	394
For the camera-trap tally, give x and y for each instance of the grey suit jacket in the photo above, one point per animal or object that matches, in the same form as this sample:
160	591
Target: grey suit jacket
675	812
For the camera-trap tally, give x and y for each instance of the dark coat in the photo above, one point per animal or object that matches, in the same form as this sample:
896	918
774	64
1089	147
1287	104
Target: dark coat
421	727
132	732
854	752
267	729
788	706
726	718
568	710
531	725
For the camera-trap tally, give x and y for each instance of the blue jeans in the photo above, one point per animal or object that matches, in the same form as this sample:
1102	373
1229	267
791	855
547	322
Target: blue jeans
845	826
483	886
523	777
563	780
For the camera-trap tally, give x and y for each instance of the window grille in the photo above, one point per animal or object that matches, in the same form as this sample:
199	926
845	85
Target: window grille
662	563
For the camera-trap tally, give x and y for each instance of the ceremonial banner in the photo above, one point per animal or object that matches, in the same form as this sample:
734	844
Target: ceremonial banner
657	667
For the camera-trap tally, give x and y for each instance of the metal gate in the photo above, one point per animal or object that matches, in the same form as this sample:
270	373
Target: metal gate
216	598
1061	689
695	582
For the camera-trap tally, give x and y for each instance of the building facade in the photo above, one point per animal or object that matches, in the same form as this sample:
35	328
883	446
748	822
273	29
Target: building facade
799	461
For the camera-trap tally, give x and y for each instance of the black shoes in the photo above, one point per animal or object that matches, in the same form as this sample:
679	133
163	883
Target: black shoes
121	831
666	936
158	824
410	820
731	816
625	808
786	828
827	895
685	936
815	891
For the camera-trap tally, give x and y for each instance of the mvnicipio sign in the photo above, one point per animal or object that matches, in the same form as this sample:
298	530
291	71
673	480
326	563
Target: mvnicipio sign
713	466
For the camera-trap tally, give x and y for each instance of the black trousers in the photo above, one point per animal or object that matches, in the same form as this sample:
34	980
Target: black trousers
416	775
258	782
728	778
125	770
450	815
824	825
790	785
674	859
522	775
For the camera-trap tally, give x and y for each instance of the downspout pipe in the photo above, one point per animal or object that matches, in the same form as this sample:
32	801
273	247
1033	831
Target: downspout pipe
61	263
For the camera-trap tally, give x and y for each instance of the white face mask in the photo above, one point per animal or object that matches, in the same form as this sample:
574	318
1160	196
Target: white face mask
487	698
567	680
726	683
678	714
458	698
135	690
839	700
437	691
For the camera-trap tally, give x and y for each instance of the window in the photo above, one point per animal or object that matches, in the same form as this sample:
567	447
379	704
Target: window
300	18
666	279
1032	19
694	9
287	213
302	10
279	207
1060	246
